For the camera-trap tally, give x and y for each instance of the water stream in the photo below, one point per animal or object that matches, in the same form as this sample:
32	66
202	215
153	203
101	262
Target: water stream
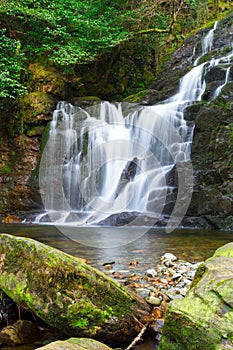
118	157
187	244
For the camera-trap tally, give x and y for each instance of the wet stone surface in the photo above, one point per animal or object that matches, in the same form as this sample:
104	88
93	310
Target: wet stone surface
158	285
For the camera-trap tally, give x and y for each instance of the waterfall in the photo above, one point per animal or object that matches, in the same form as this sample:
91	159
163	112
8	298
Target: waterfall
117	157
207	43
219	88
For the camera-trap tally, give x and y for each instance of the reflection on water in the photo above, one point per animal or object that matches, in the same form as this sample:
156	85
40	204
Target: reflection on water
187	244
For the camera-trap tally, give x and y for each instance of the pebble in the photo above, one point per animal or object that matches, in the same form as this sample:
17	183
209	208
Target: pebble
160	285
152	300
110	272
168	259
143	292
151	273
176	276
107	267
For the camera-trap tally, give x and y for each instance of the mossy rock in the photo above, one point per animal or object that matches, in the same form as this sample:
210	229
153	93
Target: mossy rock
47	79
76	344
204	318
36	104
68	294
139	97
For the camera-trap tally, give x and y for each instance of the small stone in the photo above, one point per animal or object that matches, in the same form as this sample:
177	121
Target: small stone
176	276
143	292
168	259
124	271
107	267
153	300
151	273
171	271
163	280
109	272
187	282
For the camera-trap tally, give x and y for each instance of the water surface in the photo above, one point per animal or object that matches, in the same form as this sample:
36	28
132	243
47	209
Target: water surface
147	248
187	244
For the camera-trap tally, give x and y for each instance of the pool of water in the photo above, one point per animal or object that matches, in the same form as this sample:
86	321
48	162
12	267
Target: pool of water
100	245
147	248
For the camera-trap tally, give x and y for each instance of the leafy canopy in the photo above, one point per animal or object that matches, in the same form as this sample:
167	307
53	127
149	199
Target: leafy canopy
71	32
10	67
67	33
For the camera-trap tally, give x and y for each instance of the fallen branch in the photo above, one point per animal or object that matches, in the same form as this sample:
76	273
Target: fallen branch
137	339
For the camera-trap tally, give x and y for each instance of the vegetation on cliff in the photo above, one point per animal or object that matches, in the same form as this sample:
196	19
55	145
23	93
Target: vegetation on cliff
77	50
61	35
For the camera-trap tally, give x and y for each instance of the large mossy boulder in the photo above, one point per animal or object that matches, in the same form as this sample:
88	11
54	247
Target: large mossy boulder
203	320
76	344
68	294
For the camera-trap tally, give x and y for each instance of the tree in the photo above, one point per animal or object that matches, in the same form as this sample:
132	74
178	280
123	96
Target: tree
11	60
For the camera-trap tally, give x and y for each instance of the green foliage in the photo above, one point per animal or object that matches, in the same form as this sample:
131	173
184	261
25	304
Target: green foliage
71	32
67	33
11	60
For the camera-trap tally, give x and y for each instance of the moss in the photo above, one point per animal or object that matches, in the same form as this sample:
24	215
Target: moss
34	104
204	317
46	79
85	314
184	334
136	97
88	343
198	275
225	251
60	289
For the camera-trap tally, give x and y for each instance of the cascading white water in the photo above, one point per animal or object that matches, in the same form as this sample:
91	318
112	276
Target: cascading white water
105	160
219	88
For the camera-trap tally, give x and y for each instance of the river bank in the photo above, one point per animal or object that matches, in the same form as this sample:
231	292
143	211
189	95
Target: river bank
158	286
138	264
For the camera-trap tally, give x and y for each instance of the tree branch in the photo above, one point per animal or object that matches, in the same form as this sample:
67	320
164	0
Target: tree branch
138	337
151	30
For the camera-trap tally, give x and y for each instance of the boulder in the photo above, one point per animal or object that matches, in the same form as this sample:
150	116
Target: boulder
68	294
203	319
76	344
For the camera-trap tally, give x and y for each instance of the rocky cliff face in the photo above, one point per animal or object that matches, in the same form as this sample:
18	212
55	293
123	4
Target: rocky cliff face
212	150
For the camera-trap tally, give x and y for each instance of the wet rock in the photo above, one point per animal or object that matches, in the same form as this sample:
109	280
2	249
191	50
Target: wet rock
21	332
11	219
151	273
68	294
143	292
212	149
151	299
168	259
205	314
107	267
76	344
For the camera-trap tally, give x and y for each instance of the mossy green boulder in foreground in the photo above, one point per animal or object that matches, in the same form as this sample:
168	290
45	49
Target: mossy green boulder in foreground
203	320
76	344
68	294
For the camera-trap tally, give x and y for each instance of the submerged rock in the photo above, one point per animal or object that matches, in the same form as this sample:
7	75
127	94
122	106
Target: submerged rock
68	294
203	319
